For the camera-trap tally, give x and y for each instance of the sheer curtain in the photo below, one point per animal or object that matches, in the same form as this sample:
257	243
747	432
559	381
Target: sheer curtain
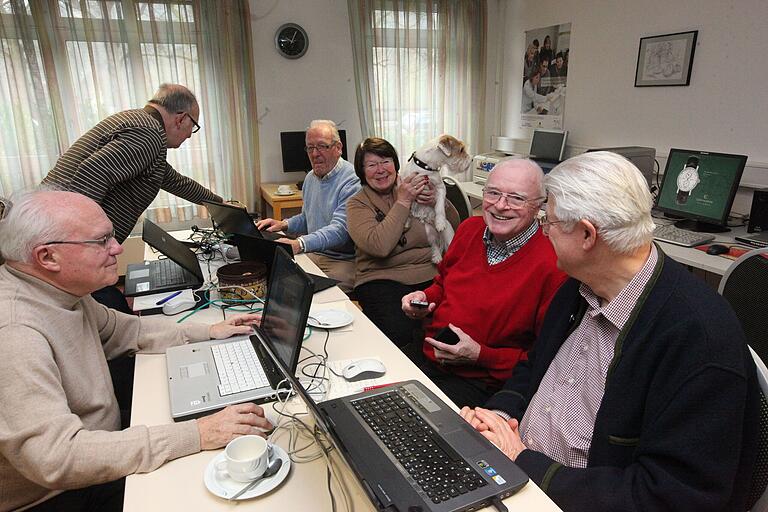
420	68
67	64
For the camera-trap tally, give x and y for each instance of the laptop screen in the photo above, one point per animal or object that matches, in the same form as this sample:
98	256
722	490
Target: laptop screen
155	236
285	313
231	219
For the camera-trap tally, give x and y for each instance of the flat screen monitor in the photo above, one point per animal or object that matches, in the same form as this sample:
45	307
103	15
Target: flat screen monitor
699	187
295	157
548	144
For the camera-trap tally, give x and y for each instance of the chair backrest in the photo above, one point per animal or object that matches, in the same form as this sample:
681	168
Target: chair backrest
758	498
744	286
458	198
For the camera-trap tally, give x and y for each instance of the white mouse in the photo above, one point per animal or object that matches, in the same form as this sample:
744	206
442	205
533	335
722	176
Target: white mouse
364	369
177	305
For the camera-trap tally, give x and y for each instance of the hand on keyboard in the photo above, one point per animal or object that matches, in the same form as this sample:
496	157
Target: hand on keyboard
234	326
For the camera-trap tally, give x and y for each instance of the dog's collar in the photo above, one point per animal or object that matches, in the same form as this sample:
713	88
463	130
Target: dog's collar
421	164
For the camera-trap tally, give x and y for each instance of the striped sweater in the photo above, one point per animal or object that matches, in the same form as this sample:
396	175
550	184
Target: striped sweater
120	163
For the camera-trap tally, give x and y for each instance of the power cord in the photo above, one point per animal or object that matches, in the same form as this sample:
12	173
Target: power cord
500	506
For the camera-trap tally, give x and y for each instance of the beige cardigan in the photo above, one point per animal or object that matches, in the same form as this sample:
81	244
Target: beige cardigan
59	420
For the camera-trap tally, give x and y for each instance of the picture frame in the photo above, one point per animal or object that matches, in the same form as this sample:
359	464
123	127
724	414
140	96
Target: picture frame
666	60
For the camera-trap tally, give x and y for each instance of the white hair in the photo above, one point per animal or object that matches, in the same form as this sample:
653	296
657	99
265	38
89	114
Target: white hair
326	123
607	190
27	223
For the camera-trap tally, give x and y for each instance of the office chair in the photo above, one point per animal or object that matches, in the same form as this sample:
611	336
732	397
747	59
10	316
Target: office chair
458	198
758	498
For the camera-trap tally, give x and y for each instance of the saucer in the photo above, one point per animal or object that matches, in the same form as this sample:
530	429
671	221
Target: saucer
329	318
289	193
222	486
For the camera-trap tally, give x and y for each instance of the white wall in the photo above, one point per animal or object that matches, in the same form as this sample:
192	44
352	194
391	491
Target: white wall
722	110
319	85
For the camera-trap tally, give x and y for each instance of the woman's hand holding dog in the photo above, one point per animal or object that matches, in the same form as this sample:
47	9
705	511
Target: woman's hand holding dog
409	188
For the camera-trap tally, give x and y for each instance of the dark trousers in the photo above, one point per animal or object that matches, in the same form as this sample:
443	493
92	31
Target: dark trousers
121	369
106	497
462	391
381	302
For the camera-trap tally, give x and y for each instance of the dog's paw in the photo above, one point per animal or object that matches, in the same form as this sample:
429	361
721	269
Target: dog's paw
440	224
437	255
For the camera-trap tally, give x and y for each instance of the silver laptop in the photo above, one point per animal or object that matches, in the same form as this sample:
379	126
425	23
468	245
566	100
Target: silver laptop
205	377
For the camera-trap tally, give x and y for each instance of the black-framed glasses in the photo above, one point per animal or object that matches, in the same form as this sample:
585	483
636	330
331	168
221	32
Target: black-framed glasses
545	223
513	200
103	242
319	147
194	121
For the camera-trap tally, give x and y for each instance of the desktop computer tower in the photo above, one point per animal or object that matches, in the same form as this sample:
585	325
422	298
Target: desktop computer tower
758	215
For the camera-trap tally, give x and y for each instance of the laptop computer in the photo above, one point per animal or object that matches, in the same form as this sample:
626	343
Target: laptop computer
410	451
180	271
758	240
258	249
207	376
233	220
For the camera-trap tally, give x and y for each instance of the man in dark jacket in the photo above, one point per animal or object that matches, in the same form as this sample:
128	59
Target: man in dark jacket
640	393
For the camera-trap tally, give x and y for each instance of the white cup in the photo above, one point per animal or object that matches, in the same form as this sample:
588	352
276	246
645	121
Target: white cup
284	189
245	458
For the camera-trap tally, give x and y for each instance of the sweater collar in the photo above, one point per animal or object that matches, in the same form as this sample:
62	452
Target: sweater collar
35	287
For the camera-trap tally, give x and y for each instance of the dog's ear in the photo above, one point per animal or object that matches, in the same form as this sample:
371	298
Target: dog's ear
446	143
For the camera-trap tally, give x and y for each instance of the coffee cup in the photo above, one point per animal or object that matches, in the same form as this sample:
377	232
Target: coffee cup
284	189
245	458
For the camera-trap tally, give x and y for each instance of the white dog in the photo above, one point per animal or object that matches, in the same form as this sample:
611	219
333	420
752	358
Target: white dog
443	156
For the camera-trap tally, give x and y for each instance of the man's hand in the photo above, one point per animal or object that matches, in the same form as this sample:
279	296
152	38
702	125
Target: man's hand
272	225
232	326
414	312
469	415
504	434
238	420
295	245
466	351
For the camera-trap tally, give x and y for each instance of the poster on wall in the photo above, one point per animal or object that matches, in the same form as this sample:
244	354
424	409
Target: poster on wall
545	76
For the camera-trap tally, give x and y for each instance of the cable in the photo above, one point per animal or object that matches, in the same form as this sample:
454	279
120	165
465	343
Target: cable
499	505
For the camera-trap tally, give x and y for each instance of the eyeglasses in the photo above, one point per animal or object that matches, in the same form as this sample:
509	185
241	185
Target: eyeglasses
319	147
194	122
372	166
545	223
103	242
513	200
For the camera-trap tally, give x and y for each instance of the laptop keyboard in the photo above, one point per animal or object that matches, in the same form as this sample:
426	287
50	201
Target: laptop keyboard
238	367
166	273
670	234
434	467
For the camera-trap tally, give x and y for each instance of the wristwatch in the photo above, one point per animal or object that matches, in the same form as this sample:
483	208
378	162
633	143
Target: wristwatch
687	180
301	245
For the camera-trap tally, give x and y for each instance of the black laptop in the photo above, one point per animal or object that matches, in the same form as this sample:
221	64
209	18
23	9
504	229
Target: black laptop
235	220
411	451
252	248
179	271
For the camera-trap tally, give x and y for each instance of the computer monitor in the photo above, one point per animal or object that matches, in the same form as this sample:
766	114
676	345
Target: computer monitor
548	144
295	157
699	187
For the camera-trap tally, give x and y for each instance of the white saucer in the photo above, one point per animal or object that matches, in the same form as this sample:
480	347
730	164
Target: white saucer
284	193
222	486
330	319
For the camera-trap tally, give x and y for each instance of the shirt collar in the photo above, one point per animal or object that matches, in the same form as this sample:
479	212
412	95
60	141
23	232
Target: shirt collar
333	171
40	287
514	244
620	308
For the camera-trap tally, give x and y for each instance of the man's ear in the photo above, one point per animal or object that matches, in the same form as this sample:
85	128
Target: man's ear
589	233
47	258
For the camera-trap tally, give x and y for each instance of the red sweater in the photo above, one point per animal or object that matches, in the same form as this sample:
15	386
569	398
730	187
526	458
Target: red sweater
500	306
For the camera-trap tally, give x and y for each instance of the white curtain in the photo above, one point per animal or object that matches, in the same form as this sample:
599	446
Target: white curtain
420	69
67	64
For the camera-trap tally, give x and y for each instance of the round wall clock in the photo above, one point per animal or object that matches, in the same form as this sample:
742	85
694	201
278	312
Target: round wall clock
291	41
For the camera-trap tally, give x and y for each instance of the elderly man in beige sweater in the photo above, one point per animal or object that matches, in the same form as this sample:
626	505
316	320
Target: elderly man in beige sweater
61	447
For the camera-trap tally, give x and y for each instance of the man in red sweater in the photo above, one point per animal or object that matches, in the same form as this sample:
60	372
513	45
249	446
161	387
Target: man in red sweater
492	289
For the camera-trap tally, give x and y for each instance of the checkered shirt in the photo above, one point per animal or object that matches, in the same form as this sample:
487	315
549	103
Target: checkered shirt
498	252
560	419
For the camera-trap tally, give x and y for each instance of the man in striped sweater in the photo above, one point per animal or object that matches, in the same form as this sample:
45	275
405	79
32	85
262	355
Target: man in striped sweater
120	163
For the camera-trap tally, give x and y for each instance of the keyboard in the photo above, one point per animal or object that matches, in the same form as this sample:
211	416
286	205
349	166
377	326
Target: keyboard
166	273
238	367
670	234
434	468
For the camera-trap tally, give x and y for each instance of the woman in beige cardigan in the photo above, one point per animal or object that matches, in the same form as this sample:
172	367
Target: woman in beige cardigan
393	255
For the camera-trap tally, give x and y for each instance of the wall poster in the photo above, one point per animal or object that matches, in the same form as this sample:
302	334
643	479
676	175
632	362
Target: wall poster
545	76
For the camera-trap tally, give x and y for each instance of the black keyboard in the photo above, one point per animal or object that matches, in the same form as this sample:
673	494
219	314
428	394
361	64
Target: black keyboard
434	467
166	273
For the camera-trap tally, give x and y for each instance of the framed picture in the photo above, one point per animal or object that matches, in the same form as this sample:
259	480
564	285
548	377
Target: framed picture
665	60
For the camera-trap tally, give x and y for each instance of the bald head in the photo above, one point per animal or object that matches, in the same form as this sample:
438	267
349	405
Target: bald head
174	98
526	173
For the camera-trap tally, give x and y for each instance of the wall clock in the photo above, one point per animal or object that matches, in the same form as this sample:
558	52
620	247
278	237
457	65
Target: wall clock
291	41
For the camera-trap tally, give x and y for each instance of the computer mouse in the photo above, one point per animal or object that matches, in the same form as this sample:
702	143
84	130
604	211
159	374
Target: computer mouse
716	249
177	305
364	369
